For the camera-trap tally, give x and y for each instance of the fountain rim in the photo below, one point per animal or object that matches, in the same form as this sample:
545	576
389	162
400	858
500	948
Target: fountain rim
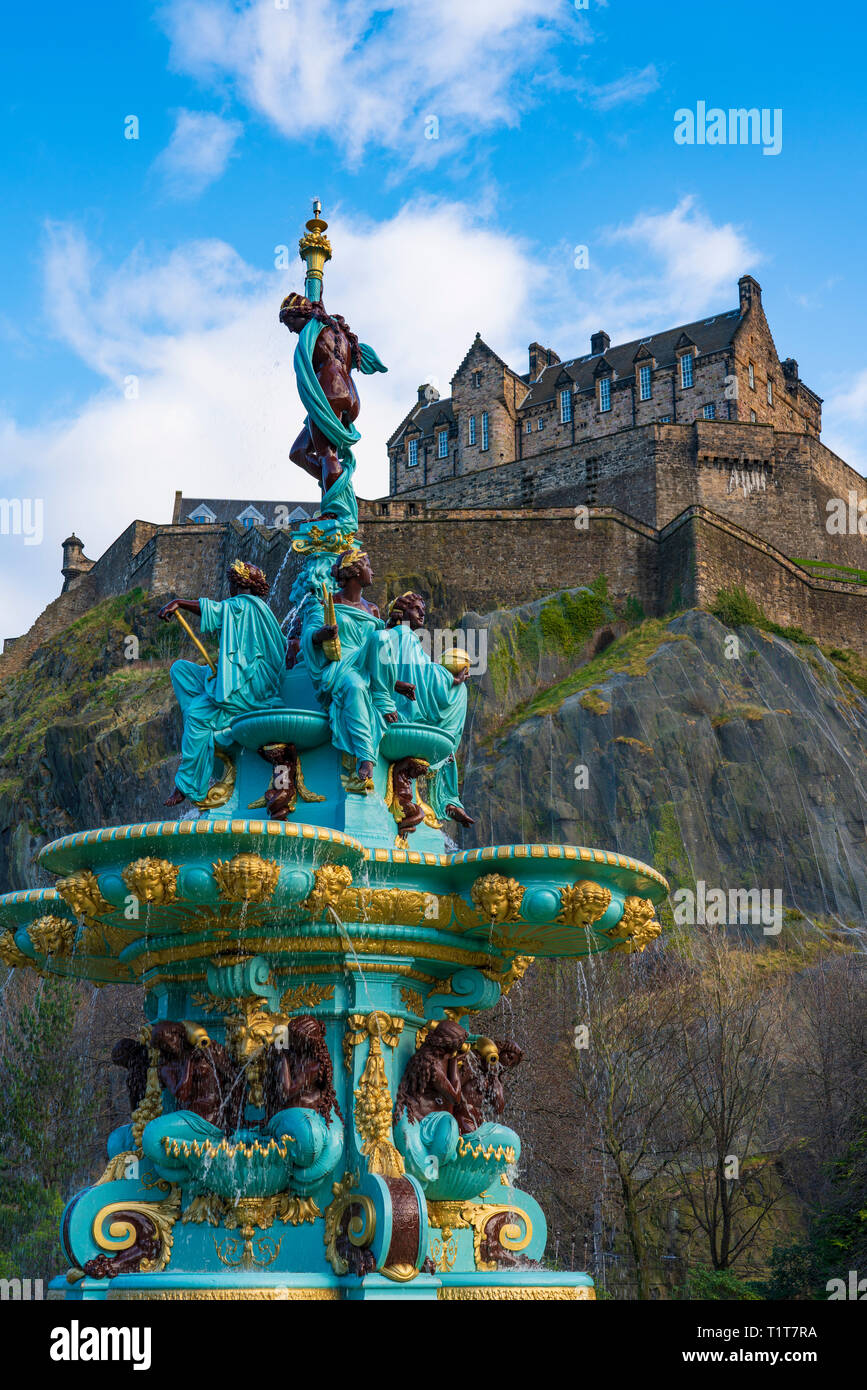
497	857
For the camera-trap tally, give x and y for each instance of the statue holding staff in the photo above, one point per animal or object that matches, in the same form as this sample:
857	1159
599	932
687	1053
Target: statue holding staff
247	678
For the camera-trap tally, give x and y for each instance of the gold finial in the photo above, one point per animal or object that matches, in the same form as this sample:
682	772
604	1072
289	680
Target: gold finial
314	249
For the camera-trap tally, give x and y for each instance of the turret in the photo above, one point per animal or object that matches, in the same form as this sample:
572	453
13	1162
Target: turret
75	562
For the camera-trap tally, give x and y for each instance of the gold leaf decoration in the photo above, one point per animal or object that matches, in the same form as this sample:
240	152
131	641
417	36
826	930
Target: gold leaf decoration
152	880
373	1103
498	898
246	878
52	936
330	882
516	971
305	997
81	891
219	793
413	1000
12	956
583	903
637	927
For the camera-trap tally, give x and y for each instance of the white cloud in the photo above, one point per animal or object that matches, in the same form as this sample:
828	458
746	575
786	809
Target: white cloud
197	153
844	421
372	75
632	86
661	269
217	408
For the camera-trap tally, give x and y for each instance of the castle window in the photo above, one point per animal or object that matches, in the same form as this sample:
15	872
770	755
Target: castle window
540	424
752	417
383	509
442	444
412	453
665	419
471	433
770	392
605	393
485	432
251	516
565	406
529	427
752	375
709	412
644	383
477	378
686	377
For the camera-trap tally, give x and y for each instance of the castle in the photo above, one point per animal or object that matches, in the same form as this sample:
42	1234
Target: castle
678	464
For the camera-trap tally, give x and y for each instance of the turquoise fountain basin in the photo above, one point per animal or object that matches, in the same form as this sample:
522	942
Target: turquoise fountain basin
305	728
414	741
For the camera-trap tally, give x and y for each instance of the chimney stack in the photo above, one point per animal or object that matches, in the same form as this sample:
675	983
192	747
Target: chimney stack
599	343
749	290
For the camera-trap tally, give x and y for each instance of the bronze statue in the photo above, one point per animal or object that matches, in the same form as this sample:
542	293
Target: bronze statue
335	353
199	1073
299	1072
431	1083
133	1055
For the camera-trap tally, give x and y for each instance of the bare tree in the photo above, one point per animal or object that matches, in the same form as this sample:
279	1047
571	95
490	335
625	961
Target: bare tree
729	1038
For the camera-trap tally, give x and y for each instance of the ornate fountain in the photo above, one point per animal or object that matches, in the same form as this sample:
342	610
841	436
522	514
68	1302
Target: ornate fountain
313	1113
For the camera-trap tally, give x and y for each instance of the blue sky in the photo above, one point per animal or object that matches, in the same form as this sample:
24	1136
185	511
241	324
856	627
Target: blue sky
152	260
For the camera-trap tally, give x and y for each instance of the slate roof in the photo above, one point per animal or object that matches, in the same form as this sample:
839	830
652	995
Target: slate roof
712	334
229	509
424	418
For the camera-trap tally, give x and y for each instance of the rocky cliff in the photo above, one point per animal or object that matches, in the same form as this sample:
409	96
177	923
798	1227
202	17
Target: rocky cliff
733	756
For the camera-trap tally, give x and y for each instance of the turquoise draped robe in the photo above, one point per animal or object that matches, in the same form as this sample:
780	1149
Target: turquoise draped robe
342	687
396	654
250	667
340	498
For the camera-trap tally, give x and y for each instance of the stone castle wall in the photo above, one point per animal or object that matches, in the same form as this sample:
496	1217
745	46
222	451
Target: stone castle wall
769	482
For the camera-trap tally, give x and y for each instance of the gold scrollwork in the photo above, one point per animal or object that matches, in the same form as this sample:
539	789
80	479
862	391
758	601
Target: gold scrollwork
305	997
115	1236
361	1227
406	906
550	1293
152	880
